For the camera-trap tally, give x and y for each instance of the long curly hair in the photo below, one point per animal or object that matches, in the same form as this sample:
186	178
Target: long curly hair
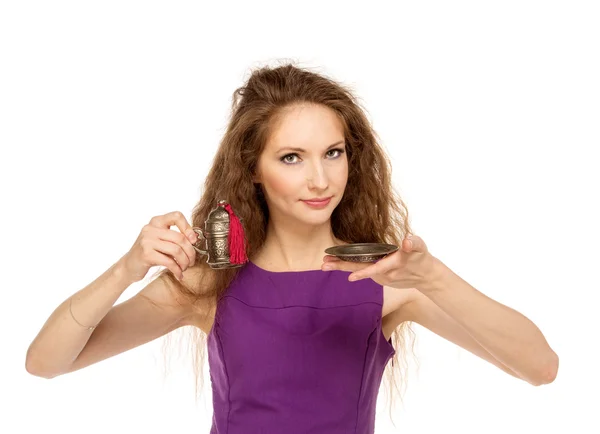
371	211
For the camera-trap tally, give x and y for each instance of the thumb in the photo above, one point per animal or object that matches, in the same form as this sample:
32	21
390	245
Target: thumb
413	243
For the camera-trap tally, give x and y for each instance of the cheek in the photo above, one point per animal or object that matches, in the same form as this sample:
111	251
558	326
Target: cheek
341	175
282	183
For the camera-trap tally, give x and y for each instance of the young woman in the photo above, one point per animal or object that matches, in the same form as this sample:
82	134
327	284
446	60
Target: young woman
297	340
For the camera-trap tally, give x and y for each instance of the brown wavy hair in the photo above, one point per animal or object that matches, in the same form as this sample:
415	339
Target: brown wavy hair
370	211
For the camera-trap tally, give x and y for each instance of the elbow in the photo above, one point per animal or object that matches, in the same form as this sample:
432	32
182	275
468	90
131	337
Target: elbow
547	374
35	367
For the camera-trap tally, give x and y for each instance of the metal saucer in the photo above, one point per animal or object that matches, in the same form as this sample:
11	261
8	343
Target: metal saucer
362	252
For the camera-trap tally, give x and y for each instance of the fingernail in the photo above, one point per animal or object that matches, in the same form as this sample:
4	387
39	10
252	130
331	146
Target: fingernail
192	237
327	267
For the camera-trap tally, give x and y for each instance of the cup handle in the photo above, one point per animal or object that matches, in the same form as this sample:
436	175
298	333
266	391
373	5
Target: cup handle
200	235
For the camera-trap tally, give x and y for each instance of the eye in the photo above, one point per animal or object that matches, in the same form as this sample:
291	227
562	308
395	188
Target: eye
340	151
284	158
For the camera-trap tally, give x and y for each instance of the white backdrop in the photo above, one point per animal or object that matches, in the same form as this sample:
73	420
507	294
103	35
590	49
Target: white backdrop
110	113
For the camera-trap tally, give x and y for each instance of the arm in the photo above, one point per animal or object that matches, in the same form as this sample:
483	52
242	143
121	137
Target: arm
505	334
455	310
64	346
421	310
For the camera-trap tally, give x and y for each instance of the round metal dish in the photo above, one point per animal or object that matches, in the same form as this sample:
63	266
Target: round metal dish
362	252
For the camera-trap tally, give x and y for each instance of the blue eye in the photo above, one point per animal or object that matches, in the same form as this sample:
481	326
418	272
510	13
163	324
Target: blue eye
288	162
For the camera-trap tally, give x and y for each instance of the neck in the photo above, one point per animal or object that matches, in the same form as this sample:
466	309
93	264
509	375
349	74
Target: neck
292	247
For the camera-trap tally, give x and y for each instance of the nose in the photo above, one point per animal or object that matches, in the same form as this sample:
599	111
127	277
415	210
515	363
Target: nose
317	178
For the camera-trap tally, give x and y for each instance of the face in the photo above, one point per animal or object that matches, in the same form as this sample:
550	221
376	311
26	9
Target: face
304	158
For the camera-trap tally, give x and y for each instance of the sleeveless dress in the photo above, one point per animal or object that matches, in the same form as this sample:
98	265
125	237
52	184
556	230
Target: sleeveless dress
297	352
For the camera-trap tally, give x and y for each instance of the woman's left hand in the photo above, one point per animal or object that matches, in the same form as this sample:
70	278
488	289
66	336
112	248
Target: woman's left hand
410	266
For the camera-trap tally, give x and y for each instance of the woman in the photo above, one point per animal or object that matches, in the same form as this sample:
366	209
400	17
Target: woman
297	341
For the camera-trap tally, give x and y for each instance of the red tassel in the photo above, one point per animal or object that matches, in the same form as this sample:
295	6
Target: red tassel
237	237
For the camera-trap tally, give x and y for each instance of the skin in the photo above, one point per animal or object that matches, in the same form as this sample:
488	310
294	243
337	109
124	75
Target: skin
296	237
298	234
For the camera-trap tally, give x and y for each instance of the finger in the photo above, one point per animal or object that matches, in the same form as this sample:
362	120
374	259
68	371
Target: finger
173	250
161	259
175	218
371	270
413	243
342	265
179	239
382	266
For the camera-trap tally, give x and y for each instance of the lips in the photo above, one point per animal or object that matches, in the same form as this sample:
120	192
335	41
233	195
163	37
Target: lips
318	203
318	199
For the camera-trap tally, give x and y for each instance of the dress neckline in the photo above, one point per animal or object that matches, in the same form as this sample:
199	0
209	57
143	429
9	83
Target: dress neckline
285	272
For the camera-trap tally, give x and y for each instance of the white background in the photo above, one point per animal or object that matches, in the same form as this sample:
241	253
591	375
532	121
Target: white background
110	113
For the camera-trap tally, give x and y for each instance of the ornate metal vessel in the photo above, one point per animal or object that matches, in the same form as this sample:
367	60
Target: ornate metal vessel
215	238
362	252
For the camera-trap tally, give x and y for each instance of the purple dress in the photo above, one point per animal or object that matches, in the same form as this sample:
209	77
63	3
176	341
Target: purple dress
297	352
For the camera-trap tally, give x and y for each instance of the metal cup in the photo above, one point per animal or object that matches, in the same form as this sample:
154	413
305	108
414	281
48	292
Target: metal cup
215	238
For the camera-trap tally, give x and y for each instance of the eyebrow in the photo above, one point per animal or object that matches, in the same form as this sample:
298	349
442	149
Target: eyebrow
287	148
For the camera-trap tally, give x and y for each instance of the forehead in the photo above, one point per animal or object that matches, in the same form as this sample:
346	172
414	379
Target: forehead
307	126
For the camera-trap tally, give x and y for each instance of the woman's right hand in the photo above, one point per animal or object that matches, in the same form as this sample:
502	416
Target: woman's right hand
157	244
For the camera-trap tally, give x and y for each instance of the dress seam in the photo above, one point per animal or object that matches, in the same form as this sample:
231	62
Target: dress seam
228	382
362	379
300	305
